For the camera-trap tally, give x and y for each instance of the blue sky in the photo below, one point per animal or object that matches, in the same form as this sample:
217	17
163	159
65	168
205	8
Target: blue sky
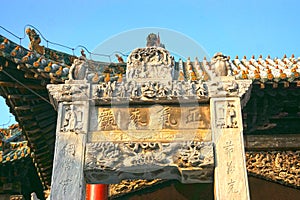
232	27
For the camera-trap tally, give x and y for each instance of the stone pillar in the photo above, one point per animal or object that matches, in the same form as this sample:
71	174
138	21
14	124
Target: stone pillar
230	177
72	127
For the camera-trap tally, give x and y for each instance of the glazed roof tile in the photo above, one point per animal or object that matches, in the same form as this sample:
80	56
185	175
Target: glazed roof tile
55	66
13	145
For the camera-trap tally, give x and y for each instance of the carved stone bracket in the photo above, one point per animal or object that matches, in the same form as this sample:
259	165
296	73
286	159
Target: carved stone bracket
75	91
109	162
228	87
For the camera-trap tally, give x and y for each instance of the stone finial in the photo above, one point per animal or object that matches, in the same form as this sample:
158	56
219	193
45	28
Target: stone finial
78	70
153	40
220	64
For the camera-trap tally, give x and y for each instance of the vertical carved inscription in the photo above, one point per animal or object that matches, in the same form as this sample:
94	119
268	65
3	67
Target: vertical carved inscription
229	149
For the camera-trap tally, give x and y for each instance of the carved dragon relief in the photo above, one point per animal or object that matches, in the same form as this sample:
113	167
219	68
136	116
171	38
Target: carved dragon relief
152	159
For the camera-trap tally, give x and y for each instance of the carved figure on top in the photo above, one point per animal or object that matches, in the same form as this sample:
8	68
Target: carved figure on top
220	64
78	70
83	55
153	40
35	41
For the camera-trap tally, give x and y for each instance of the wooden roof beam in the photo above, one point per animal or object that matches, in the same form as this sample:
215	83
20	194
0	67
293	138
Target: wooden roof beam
272	142
26	97
16	85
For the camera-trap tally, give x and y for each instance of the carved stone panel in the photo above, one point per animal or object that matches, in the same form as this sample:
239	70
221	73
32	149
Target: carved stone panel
225	114
150	63
110	162
72	118
151	123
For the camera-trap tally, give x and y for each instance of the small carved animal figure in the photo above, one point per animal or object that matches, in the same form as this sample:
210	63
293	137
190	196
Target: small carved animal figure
35	41
220	64
120	59
77	70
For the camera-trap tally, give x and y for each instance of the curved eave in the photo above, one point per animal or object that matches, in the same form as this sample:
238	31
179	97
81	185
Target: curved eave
28	100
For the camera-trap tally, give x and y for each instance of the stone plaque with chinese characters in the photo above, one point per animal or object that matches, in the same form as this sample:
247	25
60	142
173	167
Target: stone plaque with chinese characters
151	123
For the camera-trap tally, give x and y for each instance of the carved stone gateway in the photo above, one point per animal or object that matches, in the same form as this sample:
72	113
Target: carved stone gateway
149	128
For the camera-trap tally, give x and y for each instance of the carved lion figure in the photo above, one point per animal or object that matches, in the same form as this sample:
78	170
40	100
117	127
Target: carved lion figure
220	64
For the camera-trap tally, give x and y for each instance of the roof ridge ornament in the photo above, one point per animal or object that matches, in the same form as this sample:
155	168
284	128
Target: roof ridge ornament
35	41
220	65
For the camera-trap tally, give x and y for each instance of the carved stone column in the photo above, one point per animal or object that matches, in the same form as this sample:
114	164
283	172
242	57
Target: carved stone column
230	177
72	126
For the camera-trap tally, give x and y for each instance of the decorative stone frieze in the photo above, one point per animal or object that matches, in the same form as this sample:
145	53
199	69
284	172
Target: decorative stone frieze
189	162
149	91
279	166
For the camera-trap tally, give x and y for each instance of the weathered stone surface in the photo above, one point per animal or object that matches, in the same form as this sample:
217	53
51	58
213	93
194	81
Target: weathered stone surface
227	86
189	162
76	90
230	170
67	179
